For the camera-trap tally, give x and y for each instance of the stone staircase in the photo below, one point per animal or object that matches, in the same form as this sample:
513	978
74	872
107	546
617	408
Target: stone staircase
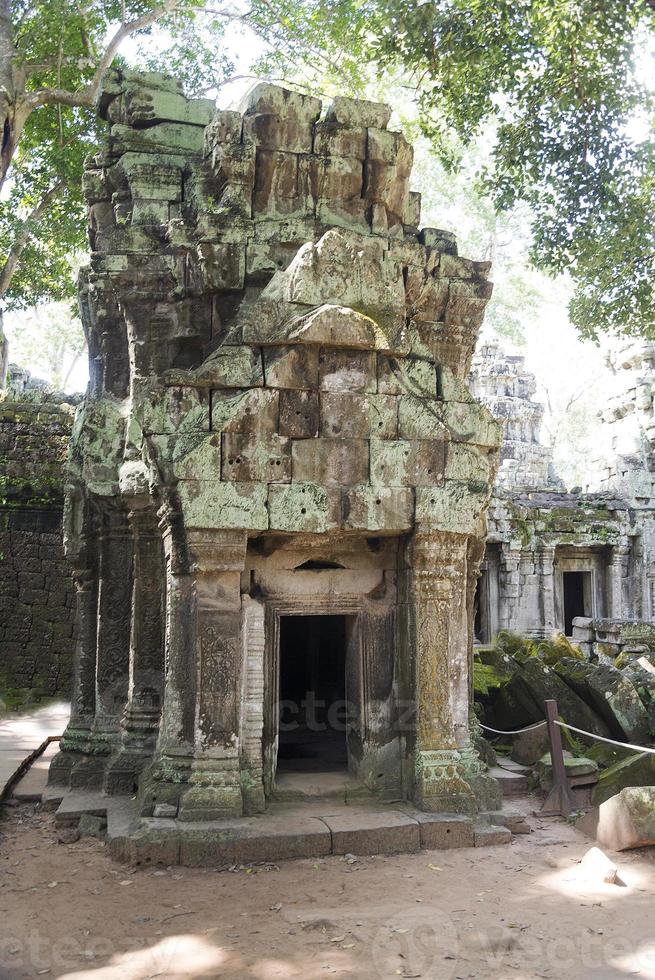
511	776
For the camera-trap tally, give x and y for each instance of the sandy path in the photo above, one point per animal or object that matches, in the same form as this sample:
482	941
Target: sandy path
515	911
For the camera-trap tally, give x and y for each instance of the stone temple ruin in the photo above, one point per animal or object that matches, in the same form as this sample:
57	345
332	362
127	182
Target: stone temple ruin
581	562
278	480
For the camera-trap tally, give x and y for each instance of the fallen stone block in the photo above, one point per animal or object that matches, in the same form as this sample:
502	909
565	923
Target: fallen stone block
579	771
610	694
545	683
68	835
528	747
636	770
628	819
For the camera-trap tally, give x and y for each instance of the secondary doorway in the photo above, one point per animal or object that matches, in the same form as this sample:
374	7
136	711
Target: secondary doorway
576	587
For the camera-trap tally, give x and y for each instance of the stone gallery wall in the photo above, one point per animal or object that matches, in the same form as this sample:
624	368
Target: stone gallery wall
36	591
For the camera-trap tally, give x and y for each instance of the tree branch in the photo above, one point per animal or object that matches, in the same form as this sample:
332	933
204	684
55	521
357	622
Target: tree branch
23	236
86	96
124	31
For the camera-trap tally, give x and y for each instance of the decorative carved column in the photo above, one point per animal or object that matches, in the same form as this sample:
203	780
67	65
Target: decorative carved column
252	706
140	722
81	543
440	630
74	745
545	563
620	602
112	644
168	776
508	584
217	559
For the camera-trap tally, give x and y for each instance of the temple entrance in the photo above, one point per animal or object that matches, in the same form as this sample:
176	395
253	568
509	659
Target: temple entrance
577	597
313	713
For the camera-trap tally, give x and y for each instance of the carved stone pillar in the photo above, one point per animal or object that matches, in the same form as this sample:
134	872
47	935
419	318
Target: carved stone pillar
440	631
168	776
140	722
217	559
620	602
81	544
545	562
74	745
252	706
508	585
112	645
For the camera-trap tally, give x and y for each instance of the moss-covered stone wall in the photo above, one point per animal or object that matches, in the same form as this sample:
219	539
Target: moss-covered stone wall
37	608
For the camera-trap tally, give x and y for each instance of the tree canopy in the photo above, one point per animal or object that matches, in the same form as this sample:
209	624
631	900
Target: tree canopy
565	84
557	82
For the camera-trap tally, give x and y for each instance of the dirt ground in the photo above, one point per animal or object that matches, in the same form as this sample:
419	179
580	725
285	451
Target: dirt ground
516	911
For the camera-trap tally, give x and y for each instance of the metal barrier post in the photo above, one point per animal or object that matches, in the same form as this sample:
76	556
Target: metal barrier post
559	801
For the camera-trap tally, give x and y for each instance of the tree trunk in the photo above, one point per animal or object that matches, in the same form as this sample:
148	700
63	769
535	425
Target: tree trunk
4	355
12	114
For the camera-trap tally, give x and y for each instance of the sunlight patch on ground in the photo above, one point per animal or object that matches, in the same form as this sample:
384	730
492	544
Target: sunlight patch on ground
574	882
639	962
174	957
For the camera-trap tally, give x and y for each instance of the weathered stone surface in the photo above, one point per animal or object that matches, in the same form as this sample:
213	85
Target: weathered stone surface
634	770
528	747
378	508
576	767
299	414
37	596
443	830
356	112
628	819
612	695
545	683
330	462
362	832
277	365
291	367
347	371
406	462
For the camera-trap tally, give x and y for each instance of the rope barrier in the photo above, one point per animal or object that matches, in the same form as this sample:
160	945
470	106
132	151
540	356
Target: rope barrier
601	738
518	731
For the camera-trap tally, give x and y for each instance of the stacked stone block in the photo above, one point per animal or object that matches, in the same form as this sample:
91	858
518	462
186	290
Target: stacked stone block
278	364
36	591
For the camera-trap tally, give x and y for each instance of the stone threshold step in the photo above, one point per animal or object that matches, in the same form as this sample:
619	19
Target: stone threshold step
276	838
282	833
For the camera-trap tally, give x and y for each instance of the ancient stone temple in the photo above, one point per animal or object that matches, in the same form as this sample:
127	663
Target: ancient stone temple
580	561
278	479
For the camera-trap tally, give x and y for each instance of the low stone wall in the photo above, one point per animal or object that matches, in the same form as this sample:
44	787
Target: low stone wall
37	601
605	639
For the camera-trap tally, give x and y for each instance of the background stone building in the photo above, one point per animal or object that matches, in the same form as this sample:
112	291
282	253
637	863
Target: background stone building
554	555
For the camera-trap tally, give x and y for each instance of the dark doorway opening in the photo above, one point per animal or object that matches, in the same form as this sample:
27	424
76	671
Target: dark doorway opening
312	709
574	586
